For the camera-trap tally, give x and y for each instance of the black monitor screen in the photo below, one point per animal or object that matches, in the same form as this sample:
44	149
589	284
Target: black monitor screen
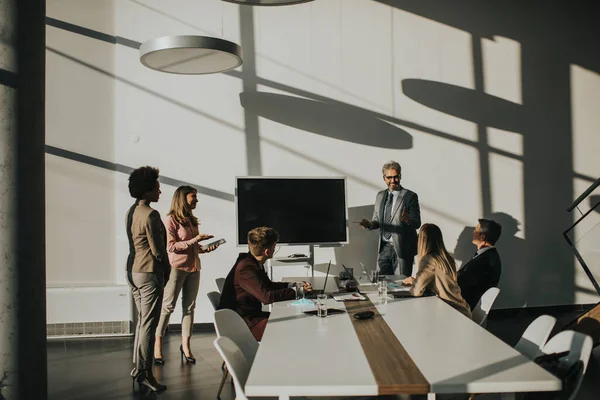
301	210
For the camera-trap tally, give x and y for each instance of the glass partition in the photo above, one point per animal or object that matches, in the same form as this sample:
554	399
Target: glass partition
584	239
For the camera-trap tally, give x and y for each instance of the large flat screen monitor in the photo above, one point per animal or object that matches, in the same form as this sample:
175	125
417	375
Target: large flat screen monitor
302	210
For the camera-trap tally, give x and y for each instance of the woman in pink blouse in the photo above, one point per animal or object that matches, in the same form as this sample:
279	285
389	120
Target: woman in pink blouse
183	247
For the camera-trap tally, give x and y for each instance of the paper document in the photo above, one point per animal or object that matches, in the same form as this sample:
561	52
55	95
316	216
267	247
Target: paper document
349	297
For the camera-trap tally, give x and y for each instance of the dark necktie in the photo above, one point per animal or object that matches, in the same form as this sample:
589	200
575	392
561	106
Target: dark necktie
387	215
475	255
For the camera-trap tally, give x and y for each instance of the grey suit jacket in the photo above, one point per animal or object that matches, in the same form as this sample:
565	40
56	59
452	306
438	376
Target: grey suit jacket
404	236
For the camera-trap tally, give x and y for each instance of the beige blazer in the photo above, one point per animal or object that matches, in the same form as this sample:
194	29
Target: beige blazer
149	241
433	276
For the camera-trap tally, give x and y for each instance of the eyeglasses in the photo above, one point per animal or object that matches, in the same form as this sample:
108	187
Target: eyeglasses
392	177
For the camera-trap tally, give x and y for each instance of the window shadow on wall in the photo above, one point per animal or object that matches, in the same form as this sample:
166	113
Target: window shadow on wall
553	36
338	121
593	200
562	35
465	103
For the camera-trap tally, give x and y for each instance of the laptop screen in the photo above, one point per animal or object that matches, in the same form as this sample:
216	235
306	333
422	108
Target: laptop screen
352	277
349	273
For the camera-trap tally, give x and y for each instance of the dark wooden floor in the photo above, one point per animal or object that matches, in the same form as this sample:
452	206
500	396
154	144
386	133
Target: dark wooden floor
99	368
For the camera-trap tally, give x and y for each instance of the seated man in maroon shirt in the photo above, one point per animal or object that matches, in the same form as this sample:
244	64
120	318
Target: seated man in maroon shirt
248	287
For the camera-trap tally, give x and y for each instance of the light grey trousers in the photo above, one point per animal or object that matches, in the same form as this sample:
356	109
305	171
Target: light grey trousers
188	283
147	290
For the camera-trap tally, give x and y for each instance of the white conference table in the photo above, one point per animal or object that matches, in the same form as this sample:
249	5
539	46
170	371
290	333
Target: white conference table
303	355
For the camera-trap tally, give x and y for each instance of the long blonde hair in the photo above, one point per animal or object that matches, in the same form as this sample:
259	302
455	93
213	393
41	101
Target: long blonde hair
180	209
431	243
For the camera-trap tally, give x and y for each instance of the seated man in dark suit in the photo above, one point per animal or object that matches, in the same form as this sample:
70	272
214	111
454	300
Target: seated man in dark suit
248	287
483	270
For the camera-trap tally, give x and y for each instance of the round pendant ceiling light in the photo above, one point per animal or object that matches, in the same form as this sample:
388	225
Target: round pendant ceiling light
267	2
192	55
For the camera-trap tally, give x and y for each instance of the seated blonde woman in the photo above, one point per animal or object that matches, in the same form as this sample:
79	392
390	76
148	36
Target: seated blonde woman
437	270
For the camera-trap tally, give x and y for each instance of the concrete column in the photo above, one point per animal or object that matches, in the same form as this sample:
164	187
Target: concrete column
23	369
8	132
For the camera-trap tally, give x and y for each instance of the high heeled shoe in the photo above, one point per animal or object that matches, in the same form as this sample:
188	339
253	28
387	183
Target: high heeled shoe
150	382
159	361
188	359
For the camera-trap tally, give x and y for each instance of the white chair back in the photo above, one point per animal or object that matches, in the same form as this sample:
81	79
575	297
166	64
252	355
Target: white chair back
579	346
220	283
215	299
228	323
484	305
237	365
535	336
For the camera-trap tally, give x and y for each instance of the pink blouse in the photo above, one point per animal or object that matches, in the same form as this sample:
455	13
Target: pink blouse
182	245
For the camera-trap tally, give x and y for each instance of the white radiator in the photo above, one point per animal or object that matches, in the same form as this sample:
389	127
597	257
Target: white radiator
89	311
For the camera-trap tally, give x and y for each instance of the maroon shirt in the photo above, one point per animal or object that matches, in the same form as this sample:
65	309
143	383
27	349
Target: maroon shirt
247	288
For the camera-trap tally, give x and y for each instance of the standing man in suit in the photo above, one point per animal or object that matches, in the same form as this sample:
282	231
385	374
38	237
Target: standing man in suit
398	216
247	286
483	270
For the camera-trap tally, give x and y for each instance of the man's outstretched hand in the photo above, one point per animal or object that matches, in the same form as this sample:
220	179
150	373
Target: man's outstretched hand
366	224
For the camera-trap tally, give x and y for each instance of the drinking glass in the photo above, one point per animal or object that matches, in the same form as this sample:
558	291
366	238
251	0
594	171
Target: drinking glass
299	291
383	292
374	276
322	305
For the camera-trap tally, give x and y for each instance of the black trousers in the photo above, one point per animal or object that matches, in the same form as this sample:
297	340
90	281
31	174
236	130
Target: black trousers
388	261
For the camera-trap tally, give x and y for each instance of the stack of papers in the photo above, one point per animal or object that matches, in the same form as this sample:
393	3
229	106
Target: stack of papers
349	297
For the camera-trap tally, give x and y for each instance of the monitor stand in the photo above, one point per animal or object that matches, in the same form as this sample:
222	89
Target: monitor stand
310	260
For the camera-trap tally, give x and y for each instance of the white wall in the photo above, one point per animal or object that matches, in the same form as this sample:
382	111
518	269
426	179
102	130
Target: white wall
80	206
485	114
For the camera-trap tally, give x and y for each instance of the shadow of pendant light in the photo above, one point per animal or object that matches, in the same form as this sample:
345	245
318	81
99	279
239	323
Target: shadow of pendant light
190	55
267	2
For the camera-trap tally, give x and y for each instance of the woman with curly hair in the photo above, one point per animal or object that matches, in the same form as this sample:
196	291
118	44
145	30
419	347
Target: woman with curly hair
147	270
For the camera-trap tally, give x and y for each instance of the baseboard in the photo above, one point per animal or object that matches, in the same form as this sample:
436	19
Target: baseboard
204	327
90	336
90	329
109	329
540	310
